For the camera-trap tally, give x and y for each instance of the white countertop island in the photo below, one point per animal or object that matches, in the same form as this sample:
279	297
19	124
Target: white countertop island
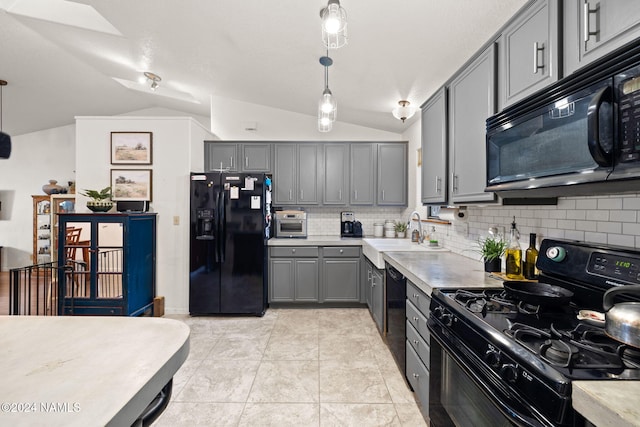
85	371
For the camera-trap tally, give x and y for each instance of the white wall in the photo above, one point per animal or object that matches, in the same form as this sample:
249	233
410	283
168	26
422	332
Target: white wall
35	159
177	149
229	117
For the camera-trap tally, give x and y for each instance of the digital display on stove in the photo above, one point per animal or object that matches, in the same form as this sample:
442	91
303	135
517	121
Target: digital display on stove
614	266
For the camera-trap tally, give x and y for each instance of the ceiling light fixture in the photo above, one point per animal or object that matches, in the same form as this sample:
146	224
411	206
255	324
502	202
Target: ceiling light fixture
334	25
403	111
154	78
327	106
5	139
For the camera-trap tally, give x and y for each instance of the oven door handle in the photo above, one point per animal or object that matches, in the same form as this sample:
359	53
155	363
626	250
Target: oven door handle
502	404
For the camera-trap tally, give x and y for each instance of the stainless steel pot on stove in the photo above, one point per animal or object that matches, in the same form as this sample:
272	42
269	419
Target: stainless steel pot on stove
622	320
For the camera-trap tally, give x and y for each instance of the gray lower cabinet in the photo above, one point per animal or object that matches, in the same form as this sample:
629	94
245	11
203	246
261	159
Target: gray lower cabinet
341	274
374	293
472	96
593	28
418	345
294	274
392	175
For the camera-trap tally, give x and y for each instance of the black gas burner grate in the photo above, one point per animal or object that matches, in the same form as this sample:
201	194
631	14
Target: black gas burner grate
583	347
485	301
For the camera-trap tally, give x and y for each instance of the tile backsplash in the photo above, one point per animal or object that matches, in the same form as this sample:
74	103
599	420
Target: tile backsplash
610	220
325	221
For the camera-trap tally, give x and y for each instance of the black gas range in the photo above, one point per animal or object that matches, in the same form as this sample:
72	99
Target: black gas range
508	361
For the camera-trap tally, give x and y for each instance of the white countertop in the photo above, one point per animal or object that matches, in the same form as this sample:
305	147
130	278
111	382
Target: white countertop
374	249
608	403
81	371
429	270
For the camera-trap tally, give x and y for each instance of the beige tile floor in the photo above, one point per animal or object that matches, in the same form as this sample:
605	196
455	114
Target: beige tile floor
292	367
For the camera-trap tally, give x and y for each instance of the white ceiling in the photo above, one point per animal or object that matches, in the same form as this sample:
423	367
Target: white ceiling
257	51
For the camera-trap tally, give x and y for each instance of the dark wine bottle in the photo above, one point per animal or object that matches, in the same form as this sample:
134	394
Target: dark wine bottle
530	258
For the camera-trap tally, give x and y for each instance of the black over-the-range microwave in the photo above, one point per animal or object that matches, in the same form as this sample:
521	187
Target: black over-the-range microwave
581	136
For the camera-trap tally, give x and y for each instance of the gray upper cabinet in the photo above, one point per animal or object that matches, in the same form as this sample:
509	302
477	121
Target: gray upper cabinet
593	28
308	178
529	52
471	100
296	174
363	166
392	175
336	174
220	156
434	148
256	157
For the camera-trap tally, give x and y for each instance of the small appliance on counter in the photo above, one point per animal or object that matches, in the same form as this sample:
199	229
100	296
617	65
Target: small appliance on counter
291	223
349	227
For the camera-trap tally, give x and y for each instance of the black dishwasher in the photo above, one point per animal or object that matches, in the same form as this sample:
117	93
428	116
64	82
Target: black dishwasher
395	306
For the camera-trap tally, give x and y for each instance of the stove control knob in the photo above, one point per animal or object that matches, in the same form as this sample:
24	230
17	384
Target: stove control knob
509	372
438	312
447	319
556	253
492	357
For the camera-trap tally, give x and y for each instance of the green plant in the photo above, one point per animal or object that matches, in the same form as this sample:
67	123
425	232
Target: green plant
491	248
400	226
97	196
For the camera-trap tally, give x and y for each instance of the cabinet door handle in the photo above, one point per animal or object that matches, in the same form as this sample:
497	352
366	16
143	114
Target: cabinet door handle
290	194
246	161
537	48
355	194
415	342
415	296
587	11
454	182
383	195
340	194
341	251
301	194
416	376
231	161
293	251
438	182
415	319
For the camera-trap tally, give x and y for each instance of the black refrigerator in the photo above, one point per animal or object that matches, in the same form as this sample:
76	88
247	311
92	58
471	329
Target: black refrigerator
229	229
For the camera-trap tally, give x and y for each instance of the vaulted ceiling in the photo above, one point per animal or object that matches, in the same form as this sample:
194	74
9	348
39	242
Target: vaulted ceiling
62	59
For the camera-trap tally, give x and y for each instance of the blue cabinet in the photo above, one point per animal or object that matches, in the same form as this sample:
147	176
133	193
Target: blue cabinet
109	264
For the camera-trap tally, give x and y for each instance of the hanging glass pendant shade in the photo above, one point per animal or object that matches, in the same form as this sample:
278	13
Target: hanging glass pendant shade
334	25
327	106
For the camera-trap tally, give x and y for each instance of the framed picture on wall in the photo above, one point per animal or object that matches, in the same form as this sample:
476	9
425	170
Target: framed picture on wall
131	148
131	184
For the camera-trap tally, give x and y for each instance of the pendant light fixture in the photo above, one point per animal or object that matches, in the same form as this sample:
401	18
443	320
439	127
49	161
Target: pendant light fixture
327	106
403	111
5	139
334	25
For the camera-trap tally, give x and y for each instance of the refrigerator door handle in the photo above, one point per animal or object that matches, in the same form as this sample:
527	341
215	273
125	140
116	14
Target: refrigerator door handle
223	226
216	243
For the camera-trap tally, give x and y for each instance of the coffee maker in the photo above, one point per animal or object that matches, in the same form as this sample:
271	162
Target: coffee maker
349	227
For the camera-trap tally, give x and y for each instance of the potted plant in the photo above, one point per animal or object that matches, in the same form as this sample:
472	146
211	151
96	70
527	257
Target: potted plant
100	200
492	250
401	229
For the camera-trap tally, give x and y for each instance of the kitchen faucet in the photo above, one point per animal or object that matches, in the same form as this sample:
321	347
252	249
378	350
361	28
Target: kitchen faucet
421	237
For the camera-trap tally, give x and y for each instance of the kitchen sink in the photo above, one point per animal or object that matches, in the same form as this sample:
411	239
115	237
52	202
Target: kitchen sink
374	248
